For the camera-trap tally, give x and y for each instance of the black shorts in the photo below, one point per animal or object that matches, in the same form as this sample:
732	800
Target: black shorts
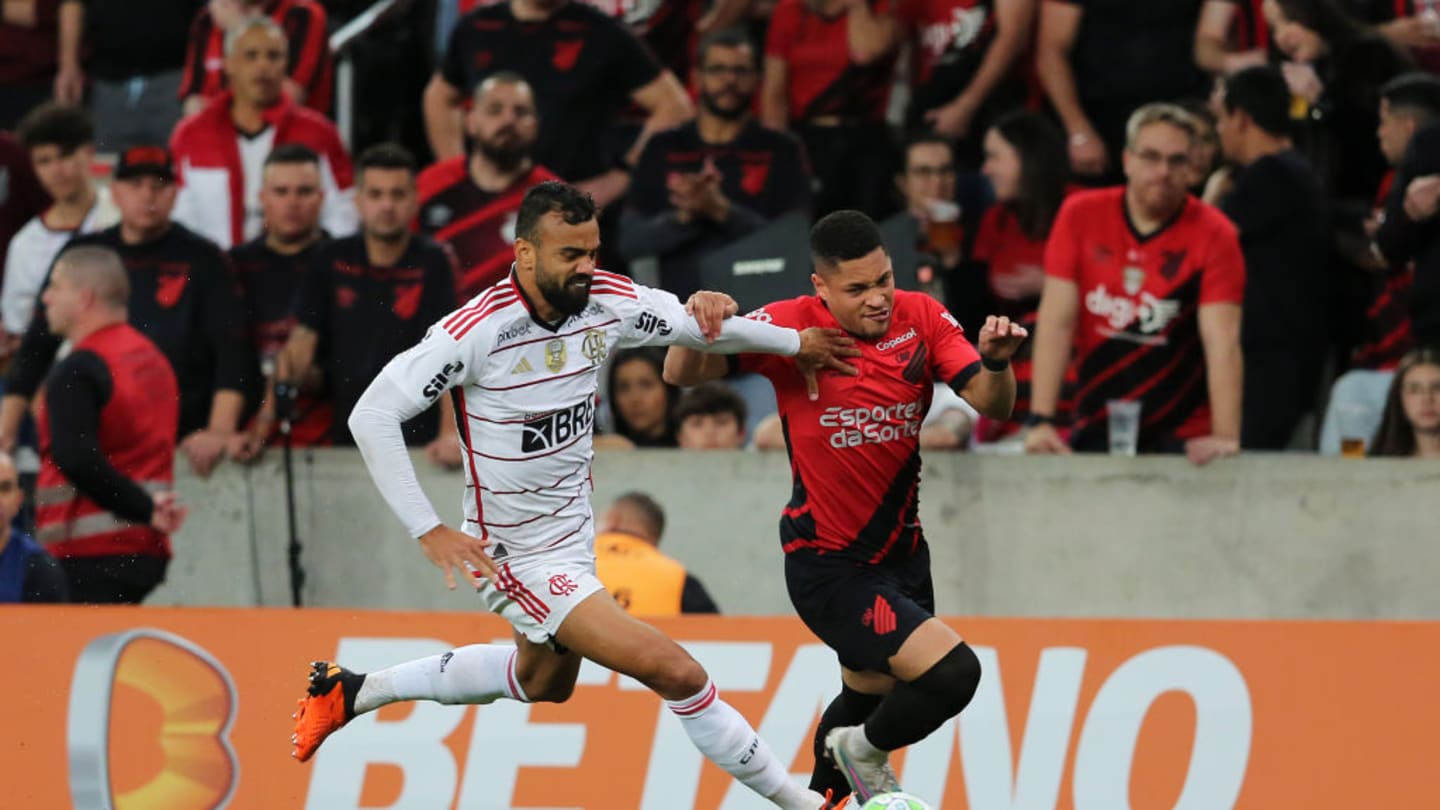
862	612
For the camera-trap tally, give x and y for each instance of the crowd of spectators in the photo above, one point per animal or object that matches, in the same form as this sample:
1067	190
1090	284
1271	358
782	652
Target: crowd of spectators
1215	208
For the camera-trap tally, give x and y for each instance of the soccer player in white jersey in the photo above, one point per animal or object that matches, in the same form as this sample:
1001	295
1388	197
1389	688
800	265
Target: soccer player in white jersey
521	361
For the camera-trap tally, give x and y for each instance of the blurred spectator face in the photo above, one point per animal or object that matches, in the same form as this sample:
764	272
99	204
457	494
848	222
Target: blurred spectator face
255	67
1157	167
11	495
711	431
1394	133
640	397
64	176
504	124
564	257
1293	39
1001	167
387	203
145	203
1202	155
290	199
929	175
727	81
1420	398
62	300
860	293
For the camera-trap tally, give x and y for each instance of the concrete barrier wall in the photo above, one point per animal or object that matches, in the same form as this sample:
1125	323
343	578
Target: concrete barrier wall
1257	537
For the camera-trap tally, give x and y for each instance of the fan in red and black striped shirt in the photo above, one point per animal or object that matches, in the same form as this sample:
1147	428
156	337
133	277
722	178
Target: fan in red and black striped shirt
309	70
1145	285
1231	35
471	202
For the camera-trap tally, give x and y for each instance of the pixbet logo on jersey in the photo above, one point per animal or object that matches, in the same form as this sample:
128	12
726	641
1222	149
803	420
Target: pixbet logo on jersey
556	427
877	425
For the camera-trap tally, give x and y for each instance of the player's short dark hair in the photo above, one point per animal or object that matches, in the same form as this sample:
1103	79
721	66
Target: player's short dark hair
649	511
386	156
1261	93
1416	94
841	236
724	38
573	205
711	399
291	154
54	124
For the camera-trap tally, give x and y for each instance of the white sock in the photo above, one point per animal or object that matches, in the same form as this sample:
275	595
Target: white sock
857	745
477	674
725	737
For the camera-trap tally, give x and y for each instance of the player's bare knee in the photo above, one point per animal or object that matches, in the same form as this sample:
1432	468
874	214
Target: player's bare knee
677	677
553	691
952	682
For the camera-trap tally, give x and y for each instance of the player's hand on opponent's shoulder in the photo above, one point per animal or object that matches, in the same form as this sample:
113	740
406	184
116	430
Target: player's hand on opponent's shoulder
1000	338
823	348
452	550
710	310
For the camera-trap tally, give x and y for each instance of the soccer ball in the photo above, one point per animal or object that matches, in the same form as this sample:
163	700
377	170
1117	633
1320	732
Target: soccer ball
894	801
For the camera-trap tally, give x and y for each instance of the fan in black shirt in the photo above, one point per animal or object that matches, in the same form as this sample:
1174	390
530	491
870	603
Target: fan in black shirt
708	183
585	67
269	270
366	298
182	296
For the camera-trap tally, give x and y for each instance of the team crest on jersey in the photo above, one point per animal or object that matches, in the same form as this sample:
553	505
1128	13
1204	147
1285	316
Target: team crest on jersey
593	346
1134	280
555	354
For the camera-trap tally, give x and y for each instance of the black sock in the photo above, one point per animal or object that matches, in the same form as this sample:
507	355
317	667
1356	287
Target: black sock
913	710
849	708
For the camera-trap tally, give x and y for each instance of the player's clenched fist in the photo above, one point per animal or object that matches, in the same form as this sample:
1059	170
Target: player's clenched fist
823	348
450	550
1000	338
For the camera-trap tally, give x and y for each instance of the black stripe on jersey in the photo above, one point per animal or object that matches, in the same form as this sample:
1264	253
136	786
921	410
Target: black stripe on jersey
896	517
798	522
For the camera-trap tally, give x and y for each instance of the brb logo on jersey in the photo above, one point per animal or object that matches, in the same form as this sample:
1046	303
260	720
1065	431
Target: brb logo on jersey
878	425
441	381
557	427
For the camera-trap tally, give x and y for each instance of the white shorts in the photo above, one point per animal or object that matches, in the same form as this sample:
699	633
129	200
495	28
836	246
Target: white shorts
536	594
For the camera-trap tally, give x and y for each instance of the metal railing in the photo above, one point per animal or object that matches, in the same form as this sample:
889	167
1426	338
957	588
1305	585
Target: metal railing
340	45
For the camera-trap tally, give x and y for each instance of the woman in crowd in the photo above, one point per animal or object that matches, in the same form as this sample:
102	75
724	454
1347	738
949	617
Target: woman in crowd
642	405
1410	427
1027	163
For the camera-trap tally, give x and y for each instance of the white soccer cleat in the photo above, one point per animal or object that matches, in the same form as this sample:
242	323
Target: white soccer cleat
867	777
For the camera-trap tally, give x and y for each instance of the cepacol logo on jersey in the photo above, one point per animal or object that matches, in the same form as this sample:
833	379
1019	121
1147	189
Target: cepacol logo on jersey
896	341
1153	314
556	427
877	425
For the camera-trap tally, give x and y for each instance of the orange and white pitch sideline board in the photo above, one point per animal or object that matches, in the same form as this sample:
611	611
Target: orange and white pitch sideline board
172	709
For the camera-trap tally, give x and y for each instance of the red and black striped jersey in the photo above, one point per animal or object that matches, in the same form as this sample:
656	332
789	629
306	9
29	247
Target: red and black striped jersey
855	452
1137	334
310	65
821	79
478	225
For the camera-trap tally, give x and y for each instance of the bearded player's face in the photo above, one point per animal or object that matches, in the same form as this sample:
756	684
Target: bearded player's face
860	293
565	257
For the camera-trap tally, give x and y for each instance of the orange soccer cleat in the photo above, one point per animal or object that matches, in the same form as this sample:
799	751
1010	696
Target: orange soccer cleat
329	703
829	805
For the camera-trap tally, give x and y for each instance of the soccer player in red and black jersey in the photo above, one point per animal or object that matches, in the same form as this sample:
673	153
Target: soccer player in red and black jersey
856	563
368	297
1144	285
308	70
471	202
269	270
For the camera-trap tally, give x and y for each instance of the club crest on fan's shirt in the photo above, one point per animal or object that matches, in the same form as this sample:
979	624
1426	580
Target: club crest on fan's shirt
169	286
407	300
1134	280
555	355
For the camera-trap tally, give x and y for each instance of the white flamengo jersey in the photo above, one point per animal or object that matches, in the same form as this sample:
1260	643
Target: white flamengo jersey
525	401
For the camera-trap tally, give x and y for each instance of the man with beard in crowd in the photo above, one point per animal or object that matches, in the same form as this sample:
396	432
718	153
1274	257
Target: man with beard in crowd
710	182
471	201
